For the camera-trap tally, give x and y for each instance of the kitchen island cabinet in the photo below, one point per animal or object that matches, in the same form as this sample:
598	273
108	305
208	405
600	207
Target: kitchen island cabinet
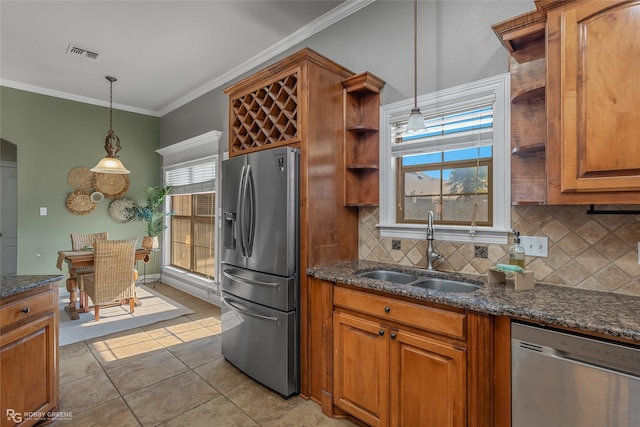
28	349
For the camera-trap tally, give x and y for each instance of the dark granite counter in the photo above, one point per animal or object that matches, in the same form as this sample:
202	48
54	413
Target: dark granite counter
14	284
605	313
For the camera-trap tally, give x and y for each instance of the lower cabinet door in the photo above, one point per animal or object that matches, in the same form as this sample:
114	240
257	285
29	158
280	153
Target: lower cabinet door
427	382
361	368
28	372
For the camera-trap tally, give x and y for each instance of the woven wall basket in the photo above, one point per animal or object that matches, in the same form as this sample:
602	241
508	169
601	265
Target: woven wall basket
80	179
79	203
110	185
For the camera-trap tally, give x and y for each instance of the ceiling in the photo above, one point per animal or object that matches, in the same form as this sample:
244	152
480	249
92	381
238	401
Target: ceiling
163	53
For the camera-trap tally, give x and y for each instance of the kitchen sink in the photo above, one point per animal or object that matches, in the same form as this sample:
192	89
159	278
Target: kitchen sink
434	283
445	285
389	276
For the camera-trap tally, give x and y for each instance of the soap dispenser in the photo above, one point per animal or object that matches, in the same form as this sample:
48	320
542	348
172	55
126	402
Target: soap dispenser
516	253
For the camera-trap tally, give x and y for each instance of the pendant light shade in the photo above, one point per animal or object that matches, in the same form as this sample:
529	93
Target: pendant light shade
416	120
111	163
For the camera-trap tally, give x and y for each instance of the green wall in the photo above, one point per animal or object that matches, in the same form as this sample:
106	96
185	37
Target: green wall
53	136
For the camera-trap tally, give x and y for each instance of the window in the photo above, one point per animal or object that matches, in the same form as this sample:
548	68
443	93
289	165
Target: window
455	184
192	227
458	167
192	233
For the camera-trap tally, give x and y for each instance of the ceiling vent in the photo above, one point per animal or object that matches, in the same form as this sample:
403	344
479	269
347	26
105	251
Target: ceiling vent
74	50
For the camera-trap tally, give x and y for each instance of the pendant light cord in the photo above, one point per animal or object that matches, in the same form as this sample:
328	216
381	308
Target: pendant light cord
415	54
111	80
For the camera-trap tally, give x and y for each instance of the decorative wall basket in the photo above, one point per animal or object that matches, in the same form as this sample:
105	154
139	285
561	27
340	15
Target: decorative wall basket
118	209
111	185
150	242
80	179
79	203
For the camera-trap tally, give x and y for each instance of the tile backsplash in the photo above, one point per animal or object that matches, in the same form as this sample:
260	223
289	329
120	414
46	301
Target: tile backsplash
597	252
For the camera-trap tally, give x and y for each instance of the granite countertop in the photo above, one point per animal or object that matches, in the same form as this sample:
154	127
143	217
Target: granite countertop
14	284
616	315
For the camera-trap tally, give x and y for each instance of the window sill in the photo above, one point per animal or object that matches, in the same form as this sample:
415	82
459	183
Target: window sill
446	233
198	286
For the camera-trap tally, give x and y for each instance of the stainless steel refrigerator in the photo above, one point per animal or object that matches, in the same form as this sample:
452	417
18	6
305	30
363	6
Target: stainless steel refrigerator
260	267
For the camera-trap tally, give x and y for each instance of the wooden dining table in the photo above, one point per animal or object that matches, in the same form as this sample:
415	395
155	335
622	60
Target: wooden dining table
75	260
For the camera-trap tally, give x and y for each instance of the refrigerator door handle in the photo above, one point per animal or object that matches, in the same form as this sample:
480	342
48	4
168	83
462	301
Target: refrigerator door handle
251	200
240	211
249	313
249	281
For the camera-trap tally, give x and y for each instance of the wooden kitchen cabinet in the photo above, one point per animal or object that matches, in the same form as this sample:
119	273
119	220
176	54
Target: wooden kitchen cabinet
524	37
362	95
388	373
574	115
592	102
361	368
29	354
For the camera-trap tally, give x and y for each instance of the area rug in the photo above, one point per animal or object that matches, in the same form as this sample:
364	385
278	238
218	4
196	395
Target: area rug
155	308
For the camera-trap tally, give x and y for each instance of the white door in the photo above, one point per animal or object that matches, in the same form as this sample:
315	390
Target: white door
8	218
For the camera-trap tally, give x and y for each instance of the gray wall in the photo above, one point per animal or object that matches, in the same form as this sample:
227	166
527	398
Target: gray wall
455	41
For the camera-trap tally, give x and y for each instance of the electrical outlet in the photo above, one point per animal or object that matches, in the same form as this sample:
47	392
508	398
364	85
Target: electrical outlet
535	246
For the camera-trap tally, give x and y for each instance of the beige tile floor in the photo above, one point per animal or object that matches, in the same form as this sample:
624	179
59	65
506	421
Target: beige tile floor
171	373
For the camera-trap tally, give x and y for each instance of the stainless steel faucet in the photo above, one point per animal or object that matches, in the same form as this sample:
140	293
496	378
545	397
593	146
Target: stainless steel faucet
432	254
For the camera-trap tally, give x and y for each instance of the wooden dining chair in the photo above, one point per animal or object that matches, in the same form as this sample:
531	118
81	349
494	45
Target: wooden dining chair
112	281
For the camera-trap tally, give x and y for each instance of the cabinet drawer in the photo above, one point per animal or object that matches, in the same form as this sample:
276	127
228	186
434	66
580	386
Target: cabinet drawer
427	318
24	309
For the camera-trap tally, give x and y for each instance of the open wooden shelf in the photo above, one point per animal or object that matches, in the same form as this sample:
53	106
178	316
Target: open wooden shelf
362	139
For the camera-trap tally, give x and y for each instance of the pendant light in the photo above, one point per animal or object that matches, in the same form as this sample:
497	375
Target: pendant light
111	164
416	121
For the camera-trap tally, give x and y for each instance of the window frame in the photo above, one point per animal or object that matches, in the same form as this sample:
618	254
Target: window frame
400	185
442	102
202	148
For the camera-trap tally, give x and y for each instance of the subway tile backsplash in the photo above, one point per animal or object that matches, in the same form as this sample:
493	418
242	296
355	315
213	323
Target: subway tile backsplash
587	251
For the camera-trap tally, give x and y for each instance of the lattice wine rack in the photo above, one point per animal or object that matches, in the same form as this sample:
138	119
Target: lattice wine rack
267	116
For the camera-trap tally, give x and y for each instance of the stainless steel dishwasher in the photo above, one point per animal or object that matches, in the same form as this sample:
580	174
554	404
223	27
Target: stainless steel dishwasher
559	379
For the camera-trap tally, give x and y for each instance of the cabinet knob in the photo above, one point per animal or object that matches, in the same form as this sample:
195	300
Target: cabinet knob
25	310
381	332
393	336
387	309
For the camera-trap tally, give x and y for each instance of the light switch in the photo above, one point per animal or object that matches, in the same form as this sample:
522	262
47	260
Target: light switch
43	211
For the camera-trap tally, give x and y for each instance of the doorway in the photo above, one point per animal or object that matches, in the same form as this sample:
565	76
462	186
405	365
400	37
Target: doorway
8	207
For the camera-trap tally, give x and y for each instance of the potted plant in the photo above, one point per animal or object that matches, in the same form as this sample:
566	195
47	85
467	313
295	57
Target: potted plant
152	212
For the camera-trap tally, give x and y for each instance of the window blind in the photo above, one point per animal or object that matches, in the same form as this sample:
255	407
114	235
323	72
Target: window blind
462	129
196	178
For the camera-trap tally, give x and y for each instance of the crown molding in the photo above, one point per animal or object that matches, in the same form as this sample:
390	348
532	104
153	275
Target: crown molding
72	97
315	26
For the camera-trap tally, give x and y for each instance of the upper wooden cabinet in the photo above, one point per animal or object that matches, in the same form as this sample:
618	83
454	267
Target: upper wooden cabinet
575	129
362	139
593	54
524	37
